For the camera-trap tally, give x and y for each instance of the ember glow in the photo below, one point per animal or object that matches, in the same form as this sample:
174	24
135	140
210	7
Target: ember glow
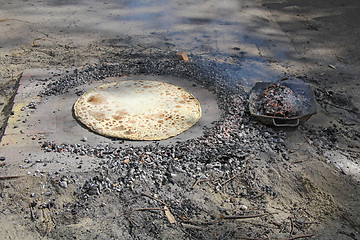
279	101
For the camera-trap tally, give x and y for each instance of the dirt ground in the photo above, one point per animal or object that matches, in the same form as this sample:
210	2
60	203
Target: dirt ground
240	180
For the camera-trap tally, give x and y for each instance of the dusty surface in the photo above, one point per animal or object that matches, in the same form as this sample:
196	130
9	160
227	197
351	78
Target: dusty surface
289	183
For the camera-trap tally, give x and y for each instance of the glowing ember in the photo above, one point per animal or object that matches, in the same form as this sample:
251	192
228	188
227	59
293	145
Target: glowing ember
279	101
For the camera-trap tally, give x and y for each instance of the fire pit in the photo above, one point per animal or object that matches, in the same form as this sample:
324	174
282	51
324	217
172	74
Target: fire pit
282	104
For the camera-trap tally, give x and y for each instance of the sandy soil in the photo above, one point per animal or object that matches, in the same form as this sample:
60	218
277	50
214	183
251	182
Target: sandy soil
308	189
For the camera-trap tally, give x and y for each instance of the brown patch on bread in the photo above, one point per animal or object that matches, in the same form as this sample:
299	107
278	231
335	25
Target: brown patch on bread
119	128
99	116
97	99
128	132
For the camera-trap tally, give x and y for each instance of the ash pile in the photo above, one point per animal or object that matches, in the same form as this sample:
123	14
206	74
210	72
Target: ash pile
186	177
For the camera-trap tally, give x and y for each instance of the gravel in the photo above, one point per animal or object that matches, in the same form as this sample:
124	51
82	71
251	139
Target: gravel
224	149
224	153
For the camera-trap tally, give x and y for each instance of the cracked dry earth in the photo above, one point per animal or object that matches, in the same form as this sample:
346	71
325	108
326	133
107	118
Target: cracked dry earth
238	180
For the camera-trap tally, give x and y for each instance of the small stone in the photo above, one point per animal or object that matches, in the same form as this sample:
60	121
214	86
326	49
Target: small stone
63	184
84	139
243	207
33	204
32	105
44	205
2	158
49	193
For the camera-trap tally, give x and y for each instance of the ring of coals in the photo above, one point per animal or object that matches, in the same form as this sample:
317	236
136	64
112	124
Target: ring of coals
224	149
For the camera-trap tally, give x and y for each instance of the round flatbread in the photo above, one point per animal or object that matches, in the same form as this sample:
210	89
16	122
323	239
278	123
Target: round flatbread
138	110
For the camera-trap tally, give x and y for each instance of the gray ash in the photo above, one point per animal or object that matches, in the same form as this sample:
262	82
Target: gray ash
225	151
135	64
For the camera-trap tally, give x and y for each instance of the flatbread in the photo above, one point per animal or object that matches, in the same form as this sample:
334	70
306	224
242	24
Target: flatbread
138	110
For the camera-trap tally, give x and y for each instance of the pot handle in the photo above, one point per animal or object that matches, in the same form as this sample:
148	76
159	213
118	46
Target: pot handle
286	124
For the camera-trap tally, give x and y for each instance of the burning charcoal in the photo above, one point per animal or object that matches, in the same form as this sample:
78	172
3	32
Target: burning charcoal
279	101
